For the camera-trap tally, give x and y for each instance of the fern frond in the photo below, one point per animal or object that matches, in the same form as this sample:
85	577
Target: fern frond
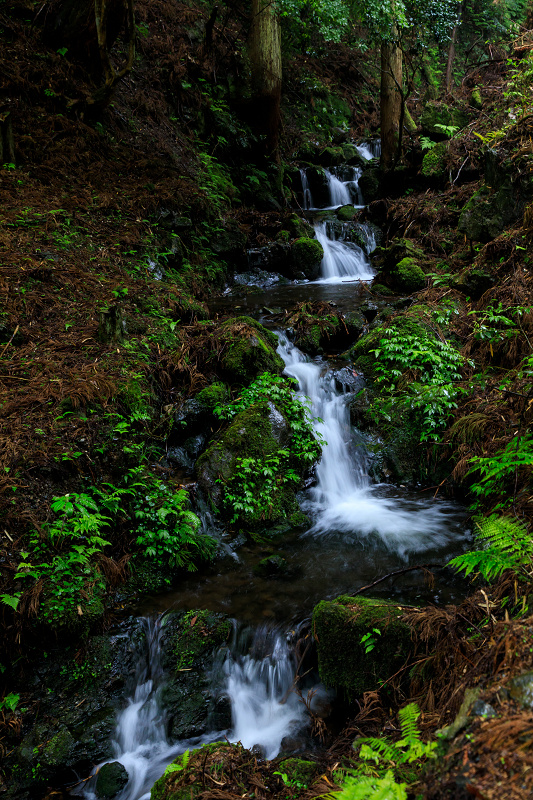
376	749
507	545
408	717
363	787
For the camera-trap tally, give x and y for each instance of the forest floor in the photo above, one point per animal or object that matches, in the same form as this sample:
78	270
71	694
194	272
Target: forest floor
83	230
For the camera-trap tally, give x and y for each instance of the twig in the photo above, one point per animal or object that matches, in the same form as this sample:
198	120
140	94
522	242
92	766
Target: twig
12	337
460	168
397	572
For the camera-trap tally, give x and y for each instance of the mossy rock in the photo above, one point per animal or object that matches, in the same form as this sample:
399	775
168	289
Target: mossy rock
111	779
370	184
386	258
434	161
339	626
440	114
474	282
491	209
189	698
331	157
352	156
274	566
214	395
299	770
58	749
298	228
476	100
408	276
258	432
307	255
346	213
249	351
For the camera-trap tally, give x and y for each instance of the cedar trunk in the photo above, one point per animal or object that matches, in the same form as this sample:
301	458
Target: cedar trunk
265	58
391	100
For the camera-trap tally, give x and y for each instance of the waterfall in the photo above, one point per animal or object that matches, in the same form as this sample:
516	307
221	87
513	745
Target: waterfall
342	189
339	193
369	150
344	502
308	199
259	683
342	261
258	679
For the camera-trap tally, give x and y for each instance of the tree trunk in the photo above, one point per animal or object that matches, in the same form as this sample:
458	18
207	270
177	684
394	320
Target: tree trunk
265	57
451	49
391	99
72	24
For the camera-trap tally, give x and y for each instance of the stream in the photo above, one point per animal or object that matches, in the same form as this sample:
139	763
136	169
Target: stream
360	530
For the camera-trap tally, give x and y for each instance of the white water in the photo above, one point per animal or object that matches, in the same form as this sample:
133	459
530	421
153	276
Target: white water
343	501
264	709
341	193
343	261
369	150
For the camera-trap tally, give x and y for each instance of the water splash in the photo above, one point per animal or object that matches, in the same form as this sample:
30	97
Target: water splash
265	710
344	502
342	261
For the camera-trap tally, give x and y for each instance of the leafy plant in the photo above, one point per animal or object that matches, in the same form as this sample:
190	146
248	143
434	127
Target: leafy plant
497	471
507	544
434	365
369	640
374	779
252	487
10	702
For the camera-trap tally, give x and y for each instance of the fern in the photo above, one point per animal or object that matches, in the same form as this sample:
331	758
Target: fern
363	787
497	470
364	784
406	750
179	766
507	545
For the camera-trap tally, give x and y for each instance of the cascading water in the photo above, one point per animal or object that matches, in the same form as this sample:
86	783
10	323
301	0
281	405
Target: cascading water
343	501
343	189
258	680
369	150
141	744
259	684
342	261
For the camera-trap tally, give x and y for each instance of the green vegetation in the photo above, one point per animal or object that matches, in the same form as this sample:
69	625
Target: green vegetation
508	545
254	486
386	767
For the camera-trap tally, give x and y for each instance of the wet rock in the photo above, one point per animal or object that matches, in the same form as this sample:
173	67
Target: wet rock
348	379
190	698
306	256
352	156
272	567
257	277
340	625
330	156
355	322
274	257
370	184
521	689
474	282
318	186
320	701
346	213
435	114
112	777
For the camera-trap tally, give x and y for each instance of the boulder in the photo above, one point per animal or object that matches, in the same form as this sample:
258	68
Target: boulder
348	661
111	779
434	161
435	114
408	276
248	351
370	184
306	256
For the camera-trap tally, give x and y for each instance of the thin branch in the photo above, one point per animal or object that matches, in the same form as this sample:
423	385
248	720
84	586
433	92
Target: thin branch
397	572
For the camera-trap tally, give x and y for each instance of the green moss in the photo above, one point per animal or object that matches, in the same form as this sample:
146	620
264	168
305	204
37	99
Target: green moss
249	350
298	770
199	632
409	276
338	628
214	395
346	213
57	750
306	255
434	161
440	114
